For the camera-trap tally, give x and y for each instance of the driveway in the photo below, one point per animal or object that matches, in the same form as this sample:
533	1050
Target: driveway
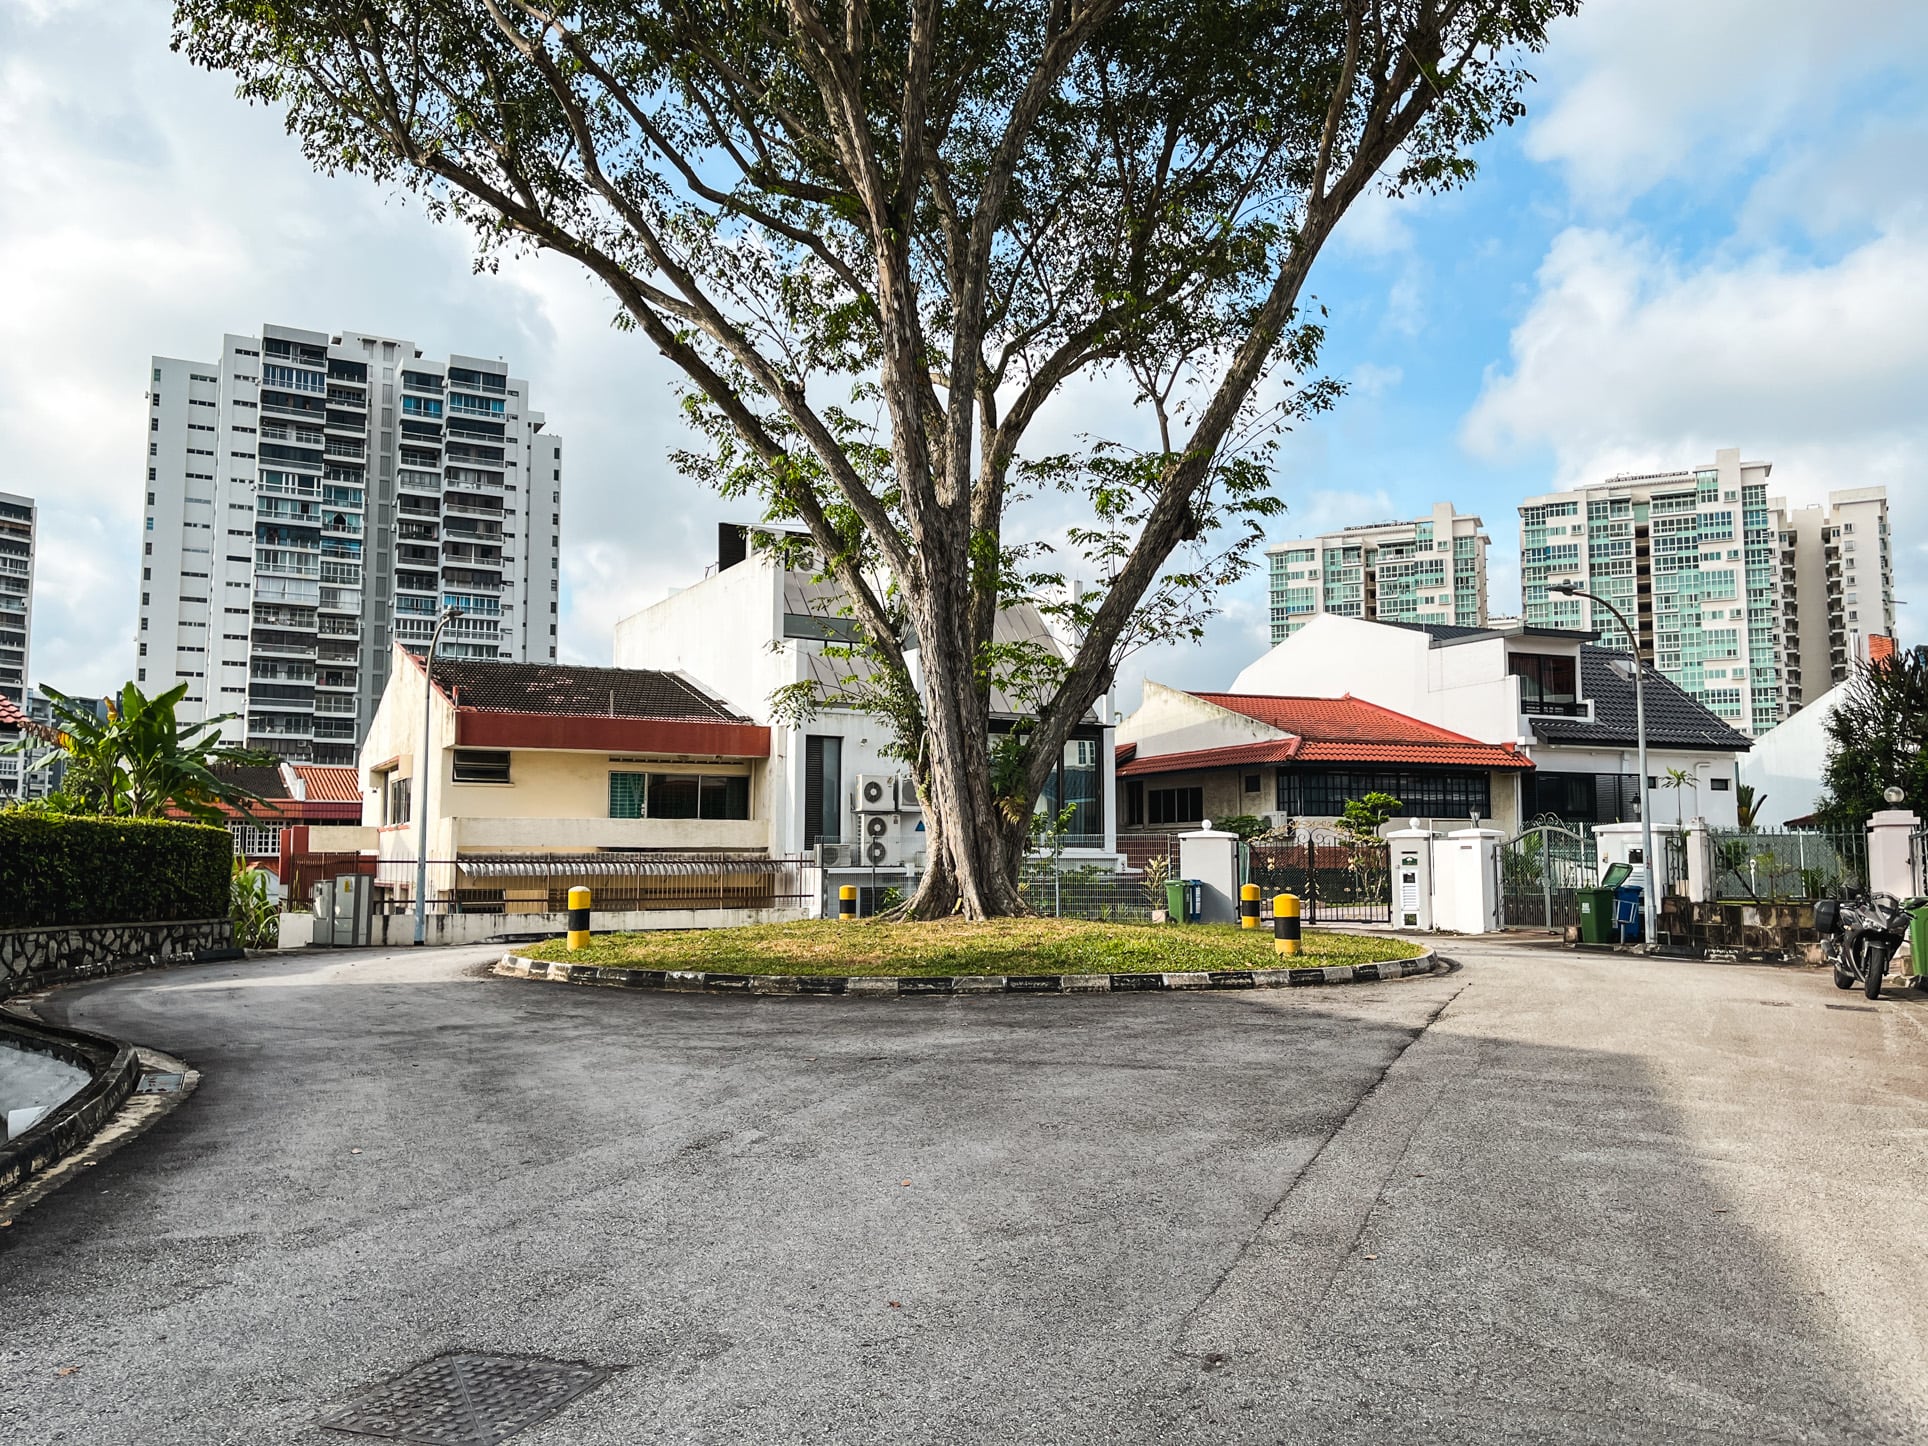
1545	1198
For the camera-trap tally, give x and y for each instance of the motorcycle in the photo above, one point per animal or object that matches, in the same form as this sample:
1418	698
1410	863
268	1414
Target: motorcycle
1861	934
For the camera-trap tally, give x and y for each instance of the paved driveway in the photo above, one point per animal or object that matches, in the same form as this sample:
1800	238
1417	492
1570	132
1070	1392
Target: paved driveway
1546	1198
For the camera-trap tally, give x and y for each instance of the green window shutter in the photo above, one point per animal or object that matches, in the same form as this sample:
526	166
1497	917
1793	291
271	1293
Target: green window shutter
626	795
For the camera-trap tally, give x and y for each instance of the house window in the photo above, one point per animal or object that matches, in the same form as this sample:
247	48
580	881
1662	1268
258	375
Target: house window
396	794
822	789
1719	785
690	795
1176	805
1251	783
481	765
1322	793
1134	802
256	841
1546	683
626	791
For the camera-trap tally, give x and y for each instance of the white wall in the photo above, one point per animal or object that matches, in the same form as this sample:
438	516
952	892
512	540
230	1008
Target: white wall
1169	720
1786	762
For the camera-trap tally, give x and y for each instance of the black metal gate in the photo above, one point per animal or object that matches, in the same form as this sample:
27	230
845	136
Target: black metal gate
1338	879
1542	872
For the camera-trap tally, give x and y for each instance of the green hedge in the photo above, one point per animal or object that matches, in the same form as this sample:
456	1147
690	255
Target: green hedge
56	870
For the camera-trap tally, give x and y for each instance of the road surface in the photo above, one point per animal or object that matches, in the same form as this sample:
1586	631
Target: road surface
1546	1198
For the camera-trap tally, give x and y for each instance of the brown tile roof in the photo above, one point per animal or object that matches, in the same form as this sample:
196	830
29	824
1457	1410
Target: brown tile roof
567	690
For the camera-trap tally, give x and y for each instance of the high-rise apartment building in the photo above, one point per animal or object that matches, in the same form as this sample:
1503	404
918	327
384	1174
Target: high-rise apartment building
1711	574
1837	586
1432	570
17	527
313	498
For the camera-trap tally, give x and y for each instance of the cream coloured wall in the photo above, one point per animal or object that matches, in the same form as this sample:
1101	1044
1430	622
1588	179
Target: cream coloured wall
1169	720
556	800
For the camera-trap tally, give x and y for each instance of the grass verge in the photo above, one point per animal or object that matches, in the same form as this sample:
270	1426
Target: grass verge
1001	946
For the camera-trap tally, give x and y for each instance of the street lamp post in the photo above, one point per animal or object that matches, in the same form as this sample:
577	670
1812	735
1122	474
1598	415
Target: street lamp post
449	615
1640	741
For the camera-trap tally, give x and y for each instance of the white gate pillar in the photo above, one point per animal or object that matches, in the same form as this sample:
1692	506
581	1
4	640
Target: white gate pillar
1410	854
1891	864
1466	873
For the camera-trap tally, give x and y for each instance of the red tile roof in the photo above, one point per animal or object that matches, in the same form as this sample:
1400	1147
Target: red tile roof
1334	720
1329	730
330	782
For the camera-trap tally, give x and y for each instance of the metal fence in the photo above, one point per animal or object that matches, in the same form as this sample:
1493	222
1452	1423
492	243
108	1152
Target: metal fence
1067	890
1788	865
540	884
1543	870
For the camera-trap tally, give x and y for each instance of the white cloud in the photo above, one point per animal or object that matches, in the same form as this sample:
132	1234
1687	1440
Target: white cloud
1629	360
144	210
1649	90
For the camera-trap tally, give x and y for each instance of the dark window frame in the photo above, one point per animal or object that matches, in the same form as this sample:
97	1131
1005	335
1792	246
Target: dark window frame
483	765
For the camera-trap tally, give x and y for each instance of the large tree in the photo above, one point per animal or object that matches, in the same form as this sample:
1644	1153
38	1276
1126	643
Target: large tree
1877	740
879	238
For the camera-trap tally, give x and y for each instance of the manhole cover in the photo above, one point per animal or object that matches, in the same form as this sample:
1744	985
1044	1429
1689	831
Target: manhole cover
161	1082
466	1400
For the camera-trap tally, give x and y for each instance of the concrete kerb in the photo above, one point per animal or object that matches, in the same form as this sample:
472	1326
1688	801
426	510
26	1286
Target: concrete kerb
516	966
116	1070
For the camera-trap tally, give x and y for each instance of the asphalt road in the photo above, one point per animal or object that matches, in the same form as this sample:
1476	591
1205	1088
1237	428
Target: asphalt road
1544	1199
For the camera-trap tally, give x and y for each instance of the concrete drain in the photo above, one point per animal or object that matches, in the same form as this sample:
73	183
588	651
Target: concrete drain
466	1400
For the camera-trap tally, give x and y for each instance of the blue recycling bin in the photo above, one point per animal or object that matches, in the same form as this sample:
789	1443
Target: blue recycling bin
1626	913
1194	900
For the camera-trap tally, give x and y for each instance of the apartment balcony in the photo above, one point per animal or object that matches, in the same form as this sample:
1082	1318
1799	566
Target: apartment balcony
455	503
408	530
339	628
338	447
335	705
341	600
282	650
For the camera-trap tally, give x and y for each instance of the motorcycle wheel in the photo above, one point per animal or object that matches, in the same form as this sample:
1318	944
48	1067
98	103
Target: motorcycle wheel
1874	964
1842	978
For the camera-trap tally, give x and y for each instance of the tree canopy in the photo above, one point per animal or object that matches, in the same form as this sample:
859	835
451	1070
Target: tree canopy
878	239
1877	740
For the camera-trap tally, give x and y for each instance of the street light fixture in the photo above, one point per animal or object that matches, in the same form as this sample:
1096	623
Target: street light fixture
1567	589
449	615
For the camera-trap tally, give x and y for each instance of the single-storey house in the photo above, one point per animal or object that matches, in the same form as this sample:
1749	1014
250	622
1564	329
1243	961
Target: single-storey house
640	784
1185	757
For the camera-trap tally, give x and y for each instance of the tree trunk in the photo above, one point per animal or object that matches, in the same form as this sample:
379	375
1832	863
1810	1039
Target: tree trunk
973	867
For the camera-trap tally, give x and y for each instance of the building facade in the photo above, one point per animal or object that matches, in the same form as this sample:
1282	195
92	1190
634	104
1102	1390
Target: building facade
1737	600
1432	570
314	499
753	628
18	518
1837	588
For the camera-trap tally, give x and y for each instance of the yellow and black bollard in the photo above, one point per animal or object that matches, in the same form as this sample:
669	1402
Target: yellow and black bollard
579	918
846	903
1285	923
1248	906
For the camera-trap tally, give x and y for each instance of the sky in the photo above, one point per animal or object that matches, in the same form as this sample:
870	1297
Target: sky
1710	230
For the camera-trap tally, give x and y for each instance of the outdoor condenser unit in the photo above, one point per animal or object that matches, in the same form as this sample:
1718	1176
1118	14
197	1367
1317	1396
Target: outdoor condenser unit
876	793
879	852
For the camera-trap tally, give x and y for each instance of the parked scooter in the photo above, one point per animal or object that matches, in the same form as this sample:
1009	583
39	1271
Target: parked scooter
1861	934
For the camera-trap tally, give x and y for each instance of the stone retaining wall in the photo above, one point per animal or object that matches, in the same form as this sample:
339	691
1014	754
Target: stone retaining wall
36	958
1766	931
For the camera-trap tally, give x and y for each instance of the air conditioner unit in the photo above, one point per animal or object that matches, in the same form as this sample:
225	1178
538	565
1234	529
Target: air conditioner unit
878	825
842	855
880	852
876	793
907	795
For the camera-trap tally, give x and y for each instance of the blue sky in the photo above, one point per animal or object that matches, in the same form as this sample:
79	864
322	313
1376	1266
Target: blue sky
1712	230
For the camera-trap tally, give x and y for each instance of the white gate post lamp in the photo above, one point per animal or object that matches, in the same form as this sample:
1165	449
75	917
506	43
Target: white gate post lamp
1651	893
449	615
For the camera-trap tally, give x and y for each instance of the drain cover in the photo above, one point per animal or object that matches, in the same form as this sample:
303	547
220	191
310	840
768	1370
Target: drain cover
466	1400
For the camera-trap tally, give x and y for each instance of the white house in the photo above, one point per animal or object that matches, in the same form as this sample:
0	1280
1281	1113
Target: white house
752	627
1554	694
640	784
1784	767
